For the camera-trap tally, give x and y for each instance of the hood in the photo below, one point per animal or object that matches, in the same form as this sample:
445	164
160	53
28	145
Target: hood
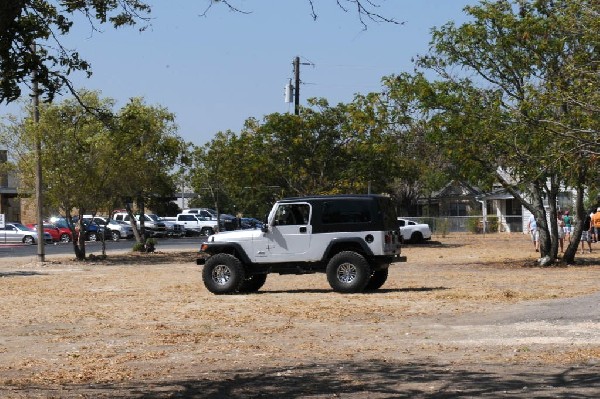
235	235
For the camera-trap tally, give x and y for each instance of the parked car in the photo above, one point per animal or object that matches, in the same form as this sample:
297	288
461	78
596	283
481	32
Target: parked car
153	228
196	225
414	232
116	229
174	229
58	233
251	223
17	232
93	231
226	221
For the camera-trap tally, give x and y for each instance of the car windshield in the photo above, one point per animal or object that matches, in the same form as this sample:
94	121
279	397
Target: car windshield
61	223
153	217
22	227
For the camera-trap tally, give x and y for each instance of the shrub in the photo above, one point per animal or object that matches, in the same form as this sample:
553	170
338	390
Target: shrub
474	224
138	247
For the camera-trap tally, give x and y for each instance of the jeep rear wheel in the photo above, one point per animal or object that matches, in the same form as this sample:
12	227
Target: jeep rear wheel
223	274
348	272
253	283
377	279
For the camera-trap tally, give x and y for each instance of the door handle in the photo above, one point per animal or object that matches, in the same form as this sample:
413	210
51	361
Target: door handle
303	229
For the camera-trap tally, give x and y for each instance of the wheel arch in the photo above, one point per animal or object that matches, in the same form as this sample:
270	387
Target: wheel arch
229	248
354	244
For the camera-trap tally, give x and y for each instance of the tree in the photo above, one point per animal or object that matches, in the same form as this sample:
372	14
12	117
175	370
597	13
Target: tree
24	23
501	116
149	151
349	148
91	164
76	148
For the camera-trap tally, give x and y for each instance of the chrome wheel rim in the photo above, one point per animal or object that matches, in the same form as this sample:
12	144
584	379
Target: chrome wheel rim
346	273
221	274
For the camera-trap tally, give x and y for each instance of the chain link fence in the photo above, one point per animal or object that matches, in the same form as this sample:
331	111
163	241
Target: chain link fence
472	224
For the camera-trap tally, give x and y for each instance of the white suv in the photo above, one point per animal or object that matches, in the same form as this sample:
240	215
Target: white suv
351	238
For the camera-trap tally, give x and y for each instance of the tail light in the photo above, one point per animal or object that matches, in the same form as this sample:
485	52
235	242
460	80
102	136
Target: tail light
388	238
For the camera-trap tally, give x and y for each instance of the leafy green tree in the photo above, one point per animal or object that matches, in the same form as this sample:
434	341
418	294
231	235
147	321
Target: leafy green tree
500	117
76	147
400	147
24	23
148	151
44	23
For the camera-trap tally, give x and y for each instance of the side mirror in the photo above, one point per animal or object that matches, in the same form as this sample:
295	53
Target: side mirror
265	228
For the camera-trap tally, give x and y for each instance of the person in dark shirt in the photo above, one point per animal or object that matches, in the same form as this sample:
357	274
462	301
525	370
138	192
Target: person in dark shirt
586	234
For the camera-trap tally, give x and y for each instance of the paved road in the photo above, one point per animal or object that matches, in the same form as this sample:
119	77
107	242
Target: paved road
20	250
571	321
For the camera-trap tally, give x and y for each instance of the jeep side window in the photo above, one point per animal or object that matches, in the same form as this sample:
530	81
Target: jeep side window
292	214
346	212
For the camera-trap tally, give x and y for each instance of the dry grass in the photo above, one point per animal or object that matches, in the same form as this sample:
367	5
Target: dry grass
148	316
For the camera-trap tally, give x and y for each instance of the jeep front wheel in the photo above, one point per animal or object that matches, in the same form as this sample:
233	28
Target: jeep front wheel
348	272
223	274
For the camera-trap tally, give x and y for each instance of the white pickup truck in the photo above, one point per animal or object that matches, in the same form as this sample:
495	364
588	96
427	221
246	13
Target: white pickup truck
196	225
414	232
153	228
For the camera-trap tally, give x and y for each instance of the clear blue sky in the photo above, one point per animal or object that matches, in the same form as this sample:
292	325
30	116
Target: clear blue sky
214	72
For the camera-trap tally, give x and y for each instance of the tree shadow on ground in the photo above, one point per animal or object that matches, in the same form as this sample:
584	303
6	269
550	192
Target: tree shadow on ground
369	379
431	244
23	273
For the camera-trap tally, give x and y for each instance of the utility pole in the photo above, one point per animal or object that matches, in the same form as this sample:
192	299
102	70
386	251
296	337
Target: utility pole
297	86
38	160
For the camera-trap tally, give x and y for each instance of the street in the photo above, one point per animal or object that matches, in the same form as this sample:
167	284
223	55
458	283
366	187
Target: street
21	250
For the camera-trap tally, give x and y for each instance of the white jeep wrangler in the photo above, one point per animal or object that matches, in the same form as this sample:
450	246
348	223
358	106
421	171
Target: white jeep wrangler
351	238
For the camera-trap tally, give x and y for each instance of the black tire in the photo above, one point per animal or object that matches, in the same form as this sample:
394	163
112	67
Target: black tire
92	237
207	231
348	272
115	235
378	278
253	283
223	274
64	237
29	240
416	237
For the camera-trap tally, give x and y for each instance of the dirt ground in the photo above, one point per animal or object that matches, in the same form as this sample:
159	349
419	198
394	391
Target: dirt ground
143	325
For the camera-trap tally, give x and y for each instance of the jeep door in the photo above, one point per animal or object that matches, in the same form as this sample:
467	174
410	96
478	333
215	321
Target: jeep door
289	236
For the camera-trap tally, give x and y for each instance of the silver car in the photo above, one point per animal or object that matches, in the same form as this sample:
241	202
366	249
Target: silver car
18	233
118	229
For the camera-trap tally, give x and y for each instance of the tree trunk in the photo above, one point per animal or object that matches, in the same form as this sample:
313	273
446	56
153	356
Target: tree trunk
132	222
580	216
552	193
141	205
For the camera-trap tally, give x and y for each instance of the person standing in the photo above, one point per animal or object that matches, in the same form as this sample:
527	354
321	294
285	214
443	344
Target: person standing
535	235
561	230
586	234
568	226
596	225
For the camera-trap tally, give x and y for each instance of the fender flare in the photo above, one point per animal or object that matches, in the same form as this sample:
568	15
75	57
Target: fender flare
230	248
349	240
